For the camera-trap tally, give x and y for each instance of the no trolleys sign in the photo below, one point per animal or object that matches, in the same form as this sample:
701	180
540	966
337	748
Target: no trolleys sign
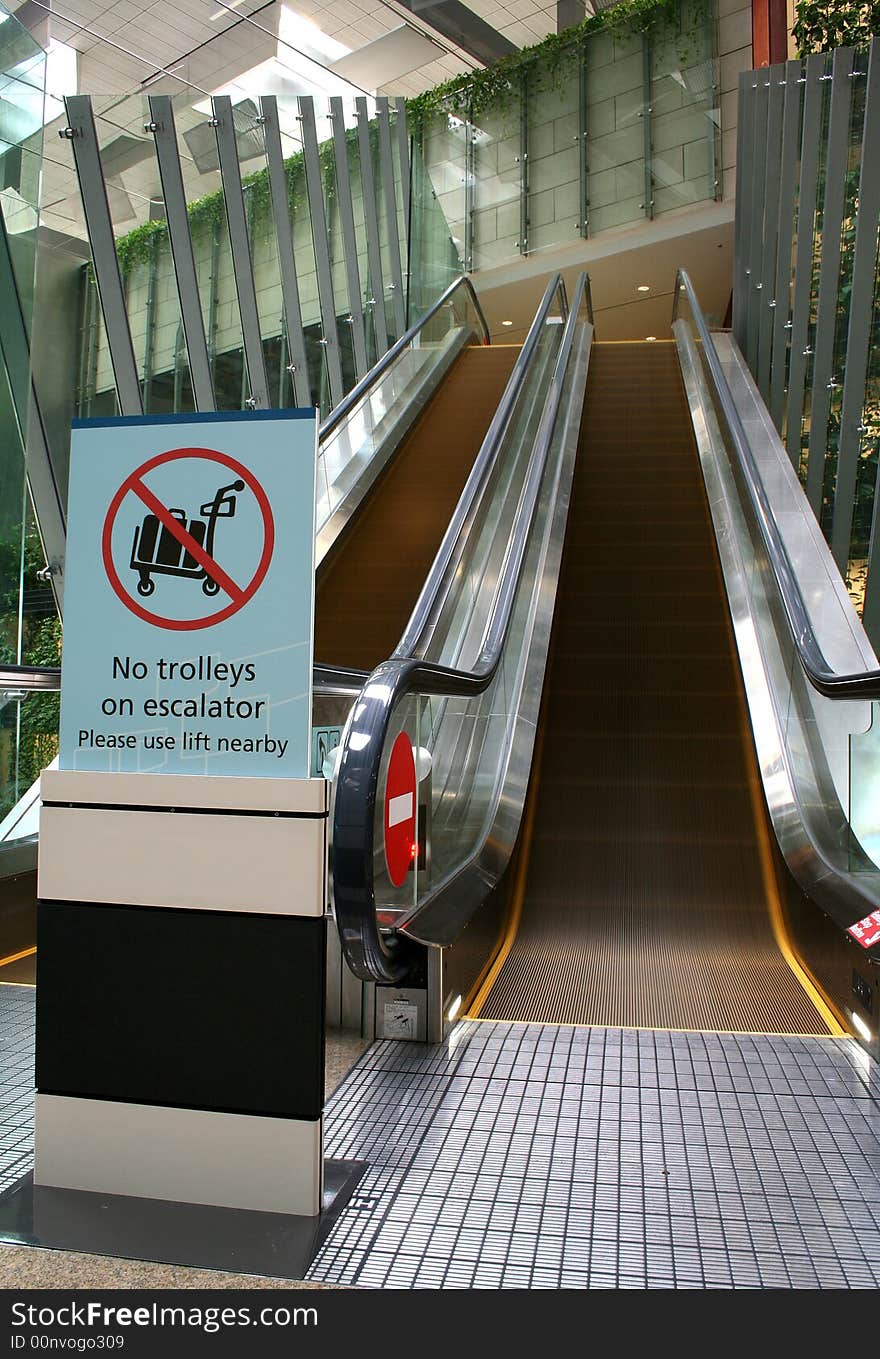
189	596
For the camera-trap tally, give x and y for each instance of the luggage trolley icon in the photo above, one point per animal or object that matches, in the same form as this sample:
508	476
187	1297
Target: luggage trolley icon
156	552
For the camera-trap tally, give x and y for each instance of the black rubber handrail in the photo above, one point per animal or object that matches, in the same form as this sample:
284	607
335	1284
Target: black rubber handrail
861	684
370	956
39	678
359	391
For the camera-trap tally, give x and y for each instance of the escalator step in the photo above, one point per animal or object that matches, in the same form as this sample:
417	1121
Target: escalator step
645	902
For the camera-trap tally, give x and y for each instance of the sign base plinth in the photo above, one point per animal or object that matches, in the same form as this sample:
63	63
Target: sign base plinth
277	1245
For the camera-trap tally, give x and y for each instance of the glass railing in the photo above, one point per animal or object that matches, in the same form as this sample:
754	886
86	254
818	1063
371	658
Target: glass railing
356	439
457	703
595	129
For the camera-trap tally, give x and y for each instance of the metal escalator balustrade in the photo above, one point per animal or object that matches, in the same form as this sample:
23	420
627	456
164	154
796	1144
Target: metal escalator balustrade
460	683
809	672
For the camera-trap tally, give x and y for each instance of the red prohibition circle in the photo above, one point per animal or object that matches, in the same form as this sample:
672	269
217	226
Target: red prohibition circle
247	592
400	810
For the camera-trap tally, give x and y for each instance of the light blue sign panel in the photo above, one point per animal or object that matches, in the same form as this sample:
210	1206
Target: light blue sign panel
189	602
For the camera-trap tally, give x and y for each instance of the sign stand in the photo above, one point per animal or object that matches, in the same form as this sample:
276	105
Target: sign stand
182	863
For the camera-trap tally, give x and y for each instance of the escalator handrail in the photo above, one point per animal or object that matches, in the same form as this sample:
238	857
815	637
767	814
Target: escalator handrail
357	774
41	678
359	391
858	685
433	594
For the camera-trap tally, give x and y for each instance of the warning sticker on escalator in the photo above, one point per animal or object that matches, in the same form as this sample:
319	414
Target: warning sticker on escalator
189	595
866	932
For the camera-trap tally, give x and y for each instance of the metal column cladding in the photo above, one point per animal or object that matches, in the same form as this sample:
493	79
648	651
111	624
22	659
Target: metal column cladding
646	117
376	300
403	156
791	126
824	379
741	240
84	141
326	301
162	127
286	255
349	240
387	163
803	268
756	248
767	307
236	219
860	317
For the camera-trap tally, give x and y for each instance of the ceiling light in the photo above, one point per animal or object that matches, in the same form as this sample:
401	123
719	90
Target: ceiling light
650	338
644	288
507	323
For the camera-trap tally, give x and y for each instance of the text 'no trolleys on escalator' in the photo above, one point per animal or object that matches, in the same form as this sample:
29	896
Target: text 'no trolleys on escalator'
190	595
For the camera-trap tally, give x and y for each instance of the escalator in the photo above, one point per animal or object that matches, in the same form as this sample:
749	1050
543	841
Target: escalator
648	899
368	586
636	774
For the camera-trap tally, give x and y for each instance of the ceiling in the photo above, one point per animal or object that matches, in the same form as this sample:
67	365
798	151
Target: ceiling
123	43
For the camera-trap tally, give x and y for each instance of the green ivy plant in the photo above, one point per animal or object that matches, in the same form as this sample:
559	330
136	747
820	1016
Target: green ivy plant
821	25
136	247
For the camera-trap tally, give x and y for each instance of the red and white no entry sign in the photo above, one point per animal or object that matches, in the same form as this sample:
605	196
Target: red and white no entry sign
866	932
400	810
169	543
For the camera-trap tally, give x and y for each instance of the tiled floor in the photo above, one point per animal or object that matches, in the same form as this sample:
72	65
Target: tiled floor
540	1156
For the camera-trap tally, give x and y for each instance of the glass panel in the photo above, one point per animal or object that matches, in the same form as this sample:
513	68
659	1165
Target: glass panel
866	472
844	284
443	140
497	180
865	789
434	261
801	448
616	129
348	450
554	155
684	111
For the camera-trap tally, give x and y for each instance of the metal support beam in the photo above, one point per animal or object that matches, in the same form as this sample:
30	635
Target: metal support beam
772	169
583	138
470	181
524	164
825	380
803	268
349	239
315	190
744	190
83	137
278	196
27	415
403	157
387	164
785	225
860	320
376	300
756	248
648	150
161	125
236	219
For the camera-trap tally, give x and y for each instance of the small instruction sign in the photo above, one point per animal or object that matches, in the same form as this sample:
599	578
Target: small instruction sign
189	598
